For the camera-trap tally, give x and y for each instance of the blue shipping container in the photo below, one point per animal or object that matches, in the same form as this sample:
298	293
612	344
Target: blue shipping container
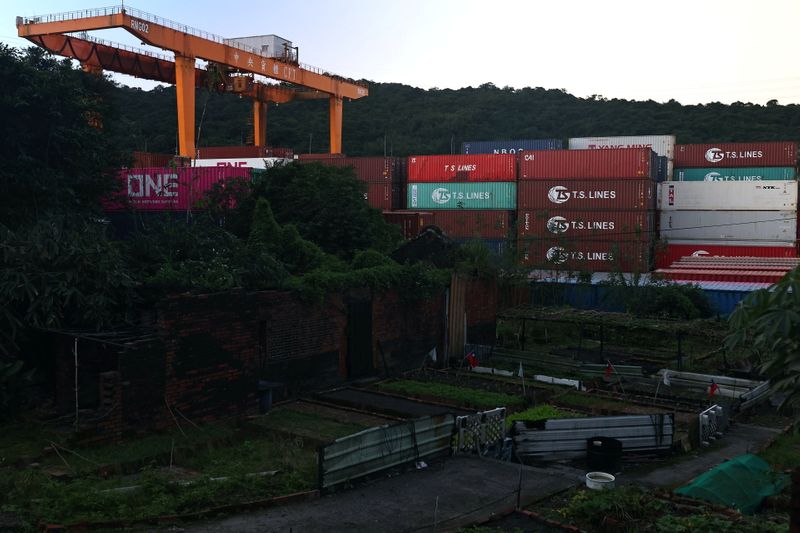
510	147
496	246
662	163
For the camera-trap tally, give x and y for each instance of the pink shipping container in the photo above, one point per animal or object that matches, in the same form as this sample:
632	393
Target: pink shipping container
587	194
410	222
585	255
666	255
601	225
167	189
625	163
369	169
479	224
379	195
479	167
758	154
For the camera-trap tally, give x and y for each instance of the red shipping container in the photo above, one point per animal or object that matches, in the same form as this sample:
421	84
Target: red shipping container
669	253
168	189
601	225
480	167
410	222
318	157
585	255
625	163
587	194
759	154
469	224
369	169
741	276
379	195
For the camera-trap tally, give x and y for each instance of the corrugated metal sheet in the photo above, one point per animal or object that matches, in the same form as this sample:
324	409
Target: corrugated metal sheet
585	254
409	222
168	189
456	195
318	157
241	152
480	224
735	174
440	168
456	318
601	225
663	166
625	163
566	438
663	145
735	225
732	195
369	169
379	195
749	276
246	162
672	251
587	194
380	448
757	154
510	147
150	160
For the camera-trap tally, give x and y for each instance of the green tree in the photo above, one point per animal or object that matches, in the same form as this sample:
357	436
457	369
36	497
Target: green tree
766	326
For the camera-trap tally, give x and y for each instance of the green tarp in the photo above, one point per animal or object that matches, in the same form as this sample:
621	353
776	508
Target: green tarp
741	483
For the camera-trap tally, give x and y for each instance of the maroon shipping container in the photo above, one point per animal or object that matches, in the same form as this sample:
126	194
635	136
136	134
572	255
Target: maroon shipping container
585	255
668	254
318	157
379	195
149	159
759	154
242	152
168	189
480	167
369	169
587	194
469	224
625	163
410	222
601	225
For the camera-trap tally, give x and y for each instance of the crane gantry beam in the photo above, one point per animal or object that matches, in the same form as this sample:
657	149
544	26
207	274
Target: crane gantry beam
189	44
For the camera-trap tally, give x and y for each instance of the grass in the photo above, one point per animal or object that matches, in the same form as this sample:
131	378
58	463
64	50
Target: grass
588	402
784	453
307	424
210	451
540	412
463	396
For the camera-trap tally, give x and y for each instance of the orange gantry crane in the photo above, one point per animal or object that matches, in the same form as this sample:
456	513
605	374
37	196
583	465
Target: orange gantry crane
52	32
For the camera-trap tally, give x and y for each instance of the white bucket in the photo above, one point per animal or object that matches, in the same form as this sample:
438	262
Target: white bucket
599	481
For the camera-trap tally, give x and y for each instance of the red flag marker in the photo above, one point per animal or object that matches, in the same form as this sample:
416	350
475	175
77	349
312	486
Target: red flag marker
609	369
712	390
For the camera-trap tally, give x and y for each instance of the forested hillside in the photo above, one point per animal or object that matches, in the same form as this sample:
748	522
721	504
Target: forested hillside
417	121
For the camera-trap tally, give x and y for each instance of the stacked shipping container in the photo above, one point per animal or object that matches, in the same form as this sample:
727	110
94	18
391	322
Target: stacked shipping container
510	147
472	196
587	209
733	199
662	145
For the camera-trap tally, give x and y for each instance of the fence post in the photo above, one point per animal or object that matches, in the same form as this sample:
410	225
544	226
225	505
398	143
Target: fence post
680	351
524	321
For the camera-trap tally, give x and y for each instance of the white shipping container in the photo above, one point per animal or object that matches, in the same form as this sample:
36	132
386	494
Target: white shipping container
728	195
663	145
244	162
760	226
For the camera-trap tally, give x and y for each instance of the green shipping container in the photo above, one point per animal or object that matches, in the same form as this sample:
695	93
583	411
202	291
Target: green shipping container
457	195
734	174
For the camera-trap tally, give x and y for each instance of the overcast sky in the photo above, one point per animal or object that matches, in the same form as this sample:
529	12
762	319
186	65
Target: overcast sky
690	50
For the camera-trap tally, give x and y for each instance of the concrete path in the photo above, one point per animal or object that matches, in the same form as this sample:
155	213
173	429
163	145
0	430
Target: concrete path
468	489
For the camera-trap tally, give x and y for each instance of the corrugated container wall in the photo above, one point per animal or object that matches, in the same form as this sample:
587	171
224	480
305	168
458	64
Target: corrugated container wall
673	251
625	163
440	168
150	159
459	195
167	189
600	225
379	195
410	222
735	174
510	147
729	225
247	162
729	196
368	169
759	154
587	194
241	152
479	224
585	254
663	145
